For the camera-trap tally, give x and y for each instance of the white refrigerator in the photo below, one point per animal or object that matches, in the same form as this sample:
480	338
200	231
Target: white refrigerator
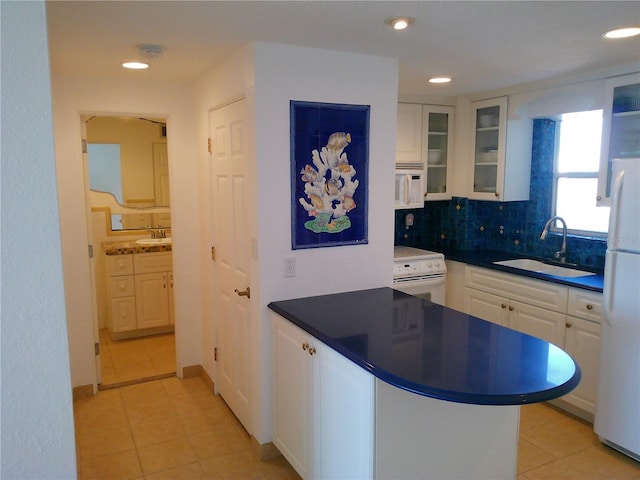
617	419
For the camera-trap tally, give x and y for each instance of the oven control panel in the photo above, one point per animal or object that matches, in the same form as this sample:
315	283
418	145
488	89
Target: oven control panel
411	268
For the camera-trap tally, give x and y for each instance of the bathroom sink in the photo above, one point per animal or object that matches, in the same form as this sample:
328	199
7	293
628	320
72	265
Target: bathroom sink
544	268
154	241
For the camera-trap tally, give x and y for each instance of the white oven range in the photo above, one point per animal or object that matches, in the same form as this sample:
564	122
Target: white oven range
421	273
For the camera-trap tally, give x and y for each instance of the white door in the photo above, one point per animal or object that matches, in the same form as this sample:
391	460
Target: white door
232	256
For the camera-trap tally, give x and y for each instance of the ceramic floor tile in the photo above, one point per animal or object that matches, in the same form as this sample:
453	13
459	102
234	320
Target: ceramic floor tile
176	386
166	455
92	421
157	430
117	466
560	470
150	410
530	456
605	462
562	438
192	471
243	464
538	414
201	421
189	402
135	372
221	441
279	469
103	442
143	392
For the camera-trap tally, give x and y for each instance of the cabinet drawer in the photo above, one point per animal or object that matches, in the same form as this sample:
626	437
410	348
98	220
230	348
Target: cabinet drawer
533	292
585	304
122	286
152	262
123	314
119	265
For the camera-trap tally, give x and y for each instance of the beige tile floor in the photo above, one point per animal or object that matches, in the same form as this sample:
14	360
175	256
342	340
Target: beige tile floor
556	446
166	429
178	429
136	358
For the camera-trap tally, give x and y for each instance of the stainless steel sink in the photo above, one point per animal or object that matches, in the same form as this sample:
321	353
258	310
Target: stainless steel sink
544	268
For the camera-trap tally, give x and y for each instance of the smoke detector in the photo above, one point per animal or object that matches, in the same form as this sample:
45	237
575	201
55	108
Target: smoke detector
149	51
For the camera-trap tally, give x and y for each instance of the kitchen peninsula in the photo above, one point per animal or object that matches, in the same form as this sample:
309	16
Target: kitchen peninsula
380	384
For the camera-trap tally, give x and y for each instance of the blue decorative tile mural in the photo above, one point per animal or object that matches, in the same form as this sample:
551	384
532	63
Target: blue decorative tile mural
512	227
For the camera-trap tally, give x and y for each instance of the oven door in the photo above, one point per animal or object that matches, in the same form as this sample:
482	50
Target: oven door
430	288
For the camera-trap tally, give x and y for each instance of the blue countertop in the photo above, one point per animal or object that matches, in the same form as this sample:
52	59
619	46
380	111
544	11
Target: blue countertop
485	258
433	350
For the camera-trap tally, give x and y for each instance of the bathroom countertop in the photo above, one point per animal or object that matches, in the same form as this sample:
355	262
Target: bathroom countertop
130	246
432	350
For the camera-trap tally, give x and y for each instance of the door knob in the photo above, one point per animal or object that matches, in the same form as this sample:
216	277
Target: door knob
244	293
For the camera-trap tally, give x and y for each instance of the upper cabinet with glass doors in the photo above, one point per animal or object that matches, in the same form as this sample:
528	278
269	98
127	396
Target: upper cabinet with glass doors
620	128
425	141
501	152
437	137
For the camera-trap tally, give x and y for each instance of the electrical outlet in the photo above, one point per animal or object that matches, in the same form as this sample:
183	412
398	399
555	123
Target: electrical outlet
289	267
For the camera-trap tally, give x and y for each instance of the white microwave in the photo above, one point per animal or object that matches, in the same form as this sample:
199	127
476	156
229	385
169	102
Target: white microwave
409	188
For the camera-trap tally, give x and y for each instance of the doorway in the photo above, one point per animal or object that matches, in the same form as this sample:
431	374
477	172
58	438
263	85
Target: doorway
141	165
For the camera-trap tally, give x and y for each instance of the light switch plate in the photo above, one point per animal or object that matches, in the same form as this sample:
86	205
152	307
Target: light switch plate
289	267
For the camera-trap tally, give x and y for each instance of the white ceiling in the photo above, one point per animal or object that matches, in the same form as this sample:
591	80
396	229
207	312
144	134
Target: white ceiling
483	45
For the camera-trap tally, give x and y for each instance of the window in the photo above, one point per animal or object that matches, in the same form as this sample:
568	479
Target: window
575	173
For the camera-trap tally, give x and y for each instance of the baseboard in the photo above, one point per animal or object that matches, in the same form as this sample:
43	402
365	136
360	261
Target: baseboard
82	391
572	410
265	451
192	371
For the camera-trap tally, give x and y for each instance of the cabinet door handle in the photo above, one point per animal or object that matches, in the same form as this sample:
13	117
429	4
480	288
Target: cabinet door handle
589	306
312	350
511	309
504	305
568	324
305	346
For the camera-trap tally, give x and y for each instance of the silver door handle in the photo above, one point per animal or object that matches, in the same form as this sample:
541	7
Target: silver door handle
244	293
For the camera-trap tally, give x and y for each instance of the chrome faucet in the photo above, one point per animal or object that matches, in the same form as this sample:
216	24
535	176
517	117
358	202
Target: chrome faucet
158	233
560	255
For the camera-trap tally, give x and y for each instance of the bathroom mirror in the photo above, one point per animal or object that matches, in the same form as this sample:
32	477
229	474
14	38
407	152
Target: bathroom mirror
127	156
128	170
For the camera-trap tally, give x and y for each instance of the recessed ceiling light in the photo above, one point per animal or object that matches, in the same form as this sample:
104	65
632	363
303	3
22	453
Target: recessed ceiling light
440	80
399	23
623	32
135	65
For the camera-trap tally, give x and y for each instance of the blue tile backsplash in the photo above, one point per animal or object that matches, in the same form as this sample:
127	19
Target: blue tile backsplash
512	227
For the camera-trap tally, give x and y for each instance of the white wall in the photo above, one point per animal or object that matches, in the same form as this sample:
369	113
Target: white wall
37	434
72	97
284	73
269	76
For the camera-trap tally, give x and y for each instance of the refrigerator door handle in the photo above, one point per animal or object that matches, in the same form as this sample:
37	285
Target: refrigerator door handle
614	221
608	281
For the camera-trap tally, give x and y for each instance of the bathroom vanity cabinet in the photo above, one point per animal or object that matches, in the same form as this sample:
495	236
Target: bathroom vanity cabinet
140	294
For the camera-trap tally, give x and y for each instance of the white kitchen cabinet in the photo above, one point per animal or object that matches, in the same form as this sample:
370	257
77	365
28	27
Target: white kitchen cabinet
501	157
437	138
425	141
582	342
323	407
620	128
536	321
140	294
567	317
487	306
409	134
